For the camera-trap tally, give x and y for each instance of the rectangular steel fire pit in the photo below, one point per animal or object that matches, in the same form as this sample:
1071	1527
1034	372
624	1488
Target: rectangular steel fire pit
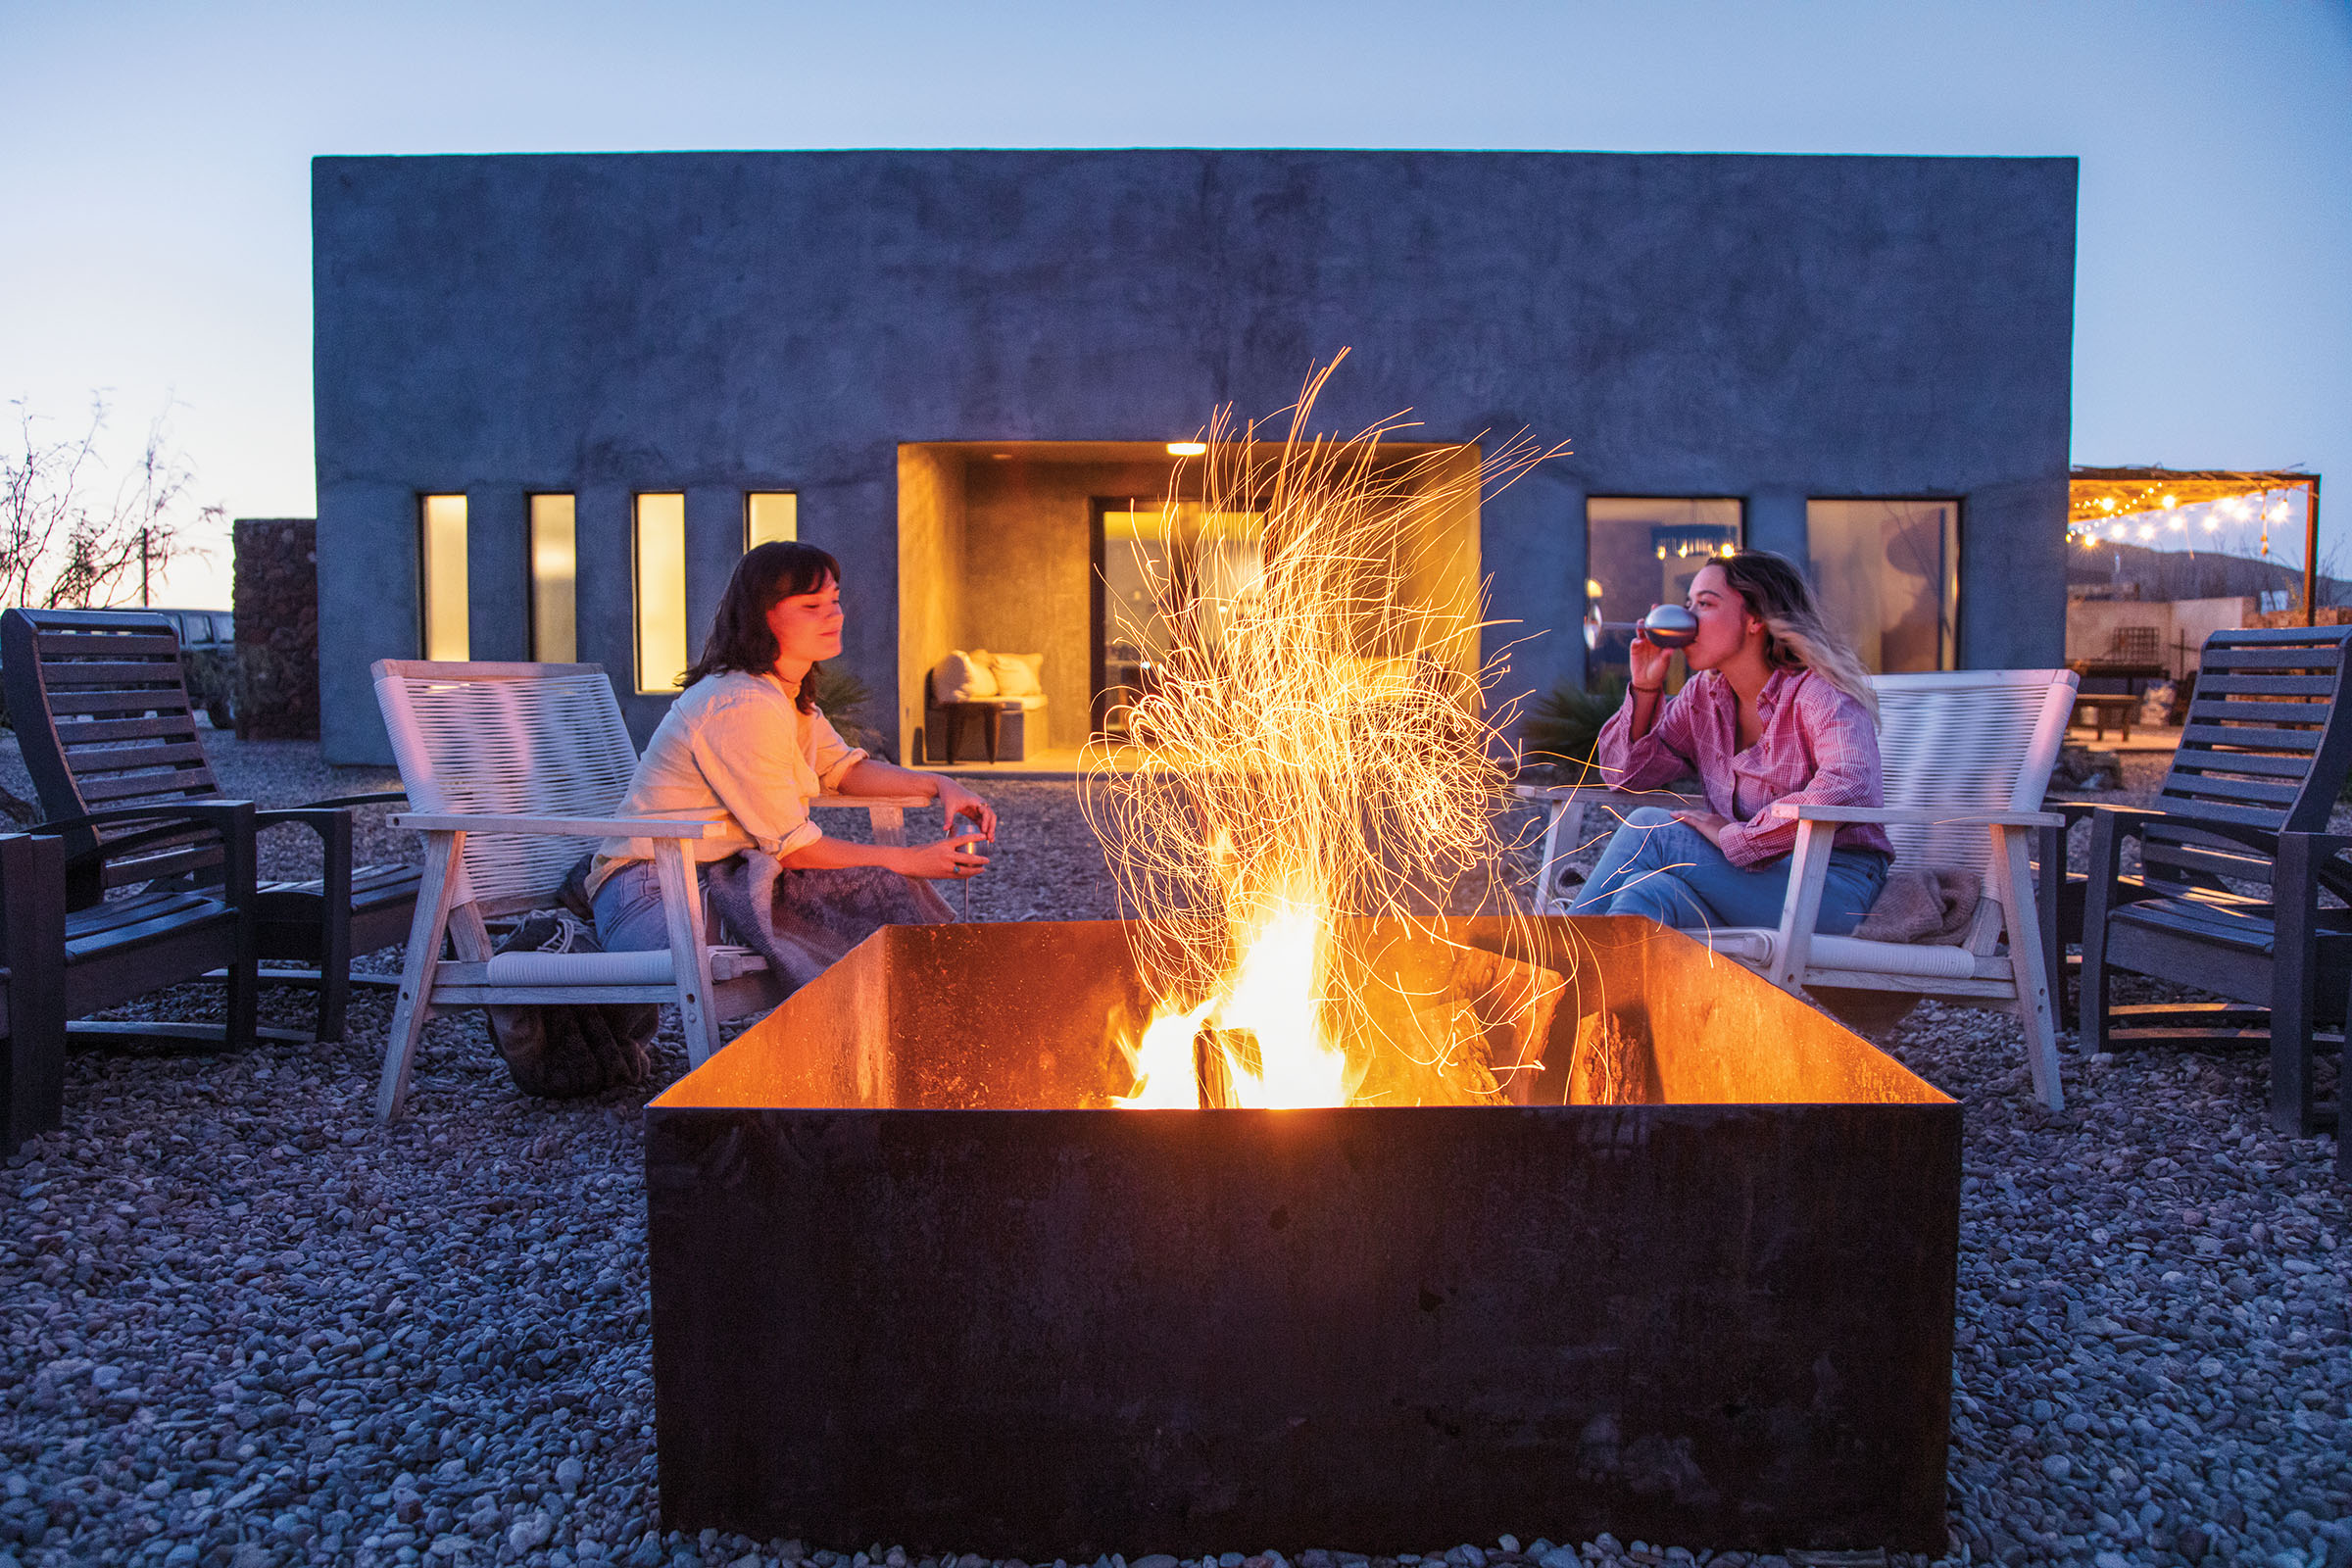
906	1288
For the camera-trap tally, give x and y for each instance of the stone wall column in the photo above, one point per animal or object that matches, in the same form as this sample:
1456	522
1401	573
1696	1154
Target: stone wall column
275	592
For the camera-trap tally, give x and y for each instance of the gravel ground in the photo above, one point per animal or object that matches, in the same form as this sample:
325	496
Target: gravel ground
245	1325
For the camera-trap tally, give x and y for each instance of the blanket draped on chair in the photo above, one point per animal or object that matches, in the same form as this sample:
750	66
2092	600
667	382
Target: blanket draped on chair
802	921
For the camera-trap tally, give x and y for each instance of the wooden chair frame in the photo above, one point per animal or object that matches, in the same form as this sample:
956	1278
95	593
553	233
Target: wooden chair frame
1978	971
714	985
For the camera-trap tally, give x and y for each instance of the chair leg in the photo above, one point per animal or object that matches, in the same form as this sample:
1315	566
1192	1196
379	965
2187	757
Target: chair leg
2026	965
334	930
32	946
2293	991
689	959
418	969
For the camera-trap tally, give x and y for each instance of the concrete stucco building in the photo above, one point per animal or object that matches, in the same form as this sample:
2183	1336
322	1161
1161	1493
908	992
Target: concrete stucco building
948	366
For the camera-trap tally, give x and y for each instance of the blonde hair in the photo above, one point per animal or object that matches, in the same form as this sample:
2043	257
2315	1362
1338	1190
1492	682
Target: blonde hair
1795	636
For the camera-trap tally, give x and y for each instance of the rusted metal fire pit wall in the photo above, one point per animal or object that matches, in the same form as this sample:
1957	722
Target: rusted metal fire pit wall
903	1290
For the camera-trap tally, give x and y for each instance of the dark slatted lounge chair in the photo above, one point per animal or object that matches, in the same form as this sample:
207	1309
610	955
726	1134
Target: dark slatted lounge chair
101	707
2228	895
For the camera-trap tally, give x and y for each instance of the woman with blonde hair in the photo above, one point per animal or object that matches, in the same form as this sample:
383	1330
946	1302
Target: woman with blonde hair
1777	708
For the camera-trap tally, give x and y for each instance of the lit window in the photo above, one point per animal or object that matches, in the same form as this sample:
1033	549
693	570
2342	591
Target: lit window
660	592
1642	551
770	516
442	552
555	581
1888	573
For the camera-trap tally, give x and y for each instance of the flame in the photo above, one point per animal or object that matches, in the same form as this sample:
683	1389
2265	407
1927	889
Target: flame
1312	754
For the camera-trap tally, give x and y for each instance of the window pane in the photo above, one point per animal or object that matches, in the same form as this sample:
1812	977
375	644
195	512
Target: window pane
1888	573
1640	552
770	516
444	576
660	592
554	577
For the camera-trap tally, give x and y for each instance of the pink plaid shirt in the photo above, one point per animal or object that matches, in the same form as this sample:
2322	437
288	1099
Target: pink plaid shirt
1817	747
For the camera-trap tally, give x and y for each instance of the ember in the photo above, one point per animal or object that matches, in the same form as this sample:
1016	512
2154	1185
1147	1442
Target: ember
1314	755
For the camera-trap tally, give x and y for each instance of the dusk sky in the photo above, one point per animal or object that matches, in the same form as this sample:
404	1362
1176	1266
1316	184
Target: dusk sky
155	157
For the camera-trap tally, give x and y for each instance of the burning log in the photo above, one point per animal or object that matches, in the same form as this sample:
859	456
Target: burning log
1611	1064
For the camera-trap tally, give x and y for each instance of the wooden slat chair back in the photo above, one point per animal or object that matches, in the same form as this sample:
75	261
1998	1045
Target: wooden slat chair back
120	732
2262	747
514	771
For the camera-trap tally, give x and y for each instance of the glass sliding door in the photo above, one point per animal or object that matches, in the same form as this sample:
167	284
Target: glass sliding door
1888	575
1163	575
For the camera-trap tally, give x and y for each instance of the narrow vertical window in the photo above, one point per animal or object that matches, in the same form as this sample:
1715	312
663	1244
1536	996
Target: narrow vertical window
660	592
770	516
555	581
442	555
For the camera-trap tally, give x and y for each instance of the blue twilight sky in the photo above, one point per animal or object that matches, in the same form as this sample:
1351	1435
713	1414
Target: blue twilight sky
154	231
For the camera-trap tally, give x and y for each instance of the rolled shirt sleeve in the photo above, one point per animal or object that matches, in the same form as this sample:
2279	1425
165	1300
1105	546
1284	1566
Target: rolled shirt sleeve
1661	757
744	754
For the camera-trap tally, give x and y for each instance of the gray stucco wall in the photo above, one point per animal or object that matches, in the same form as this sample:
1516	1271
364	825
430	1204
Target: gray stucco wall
1766	327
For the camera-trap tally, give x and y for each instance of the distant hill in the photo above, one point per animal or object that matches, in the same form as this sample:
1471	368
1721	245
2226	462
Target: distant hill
2114	570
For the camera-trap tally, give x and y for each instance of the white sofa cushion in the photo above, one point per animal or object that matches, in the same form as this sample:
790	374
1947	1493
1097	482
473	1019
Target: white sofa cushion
964	677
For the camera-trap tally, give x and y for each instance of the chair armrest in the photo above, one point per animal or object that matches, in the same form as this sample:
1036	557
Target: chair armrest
216	811
577	828
868	801
1560	794
1922	815
378	798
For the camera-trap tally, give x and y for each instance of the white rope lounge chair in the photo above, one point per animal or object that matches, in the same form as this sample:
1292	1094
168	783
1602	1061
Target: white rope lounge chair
1967	754
510	768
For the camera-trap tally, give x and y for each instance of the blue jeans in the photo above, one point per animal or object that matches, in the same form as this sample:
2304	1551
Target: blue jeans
1666	869
629	917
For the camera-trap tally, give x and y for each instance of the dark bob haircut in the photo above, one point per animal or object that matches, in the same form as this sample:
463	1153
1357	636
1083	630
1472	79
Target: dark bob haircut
740	638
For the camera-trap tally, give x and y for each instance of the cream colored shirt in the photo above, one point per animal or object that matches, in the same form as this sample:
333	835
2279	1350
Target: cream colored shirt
733	748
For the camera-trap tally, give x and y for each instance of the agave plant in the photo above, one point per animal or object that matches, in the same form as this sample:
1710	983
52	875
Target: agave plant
842	697
1562	727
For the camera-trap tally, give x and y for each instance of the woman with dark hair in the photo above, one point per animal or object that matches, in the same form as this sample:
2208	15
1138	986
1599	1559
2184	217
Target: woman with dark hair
1777	708
744	746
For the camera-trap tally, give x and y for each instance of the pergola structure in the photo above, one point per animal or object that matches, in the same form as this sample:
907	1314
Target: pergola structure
2100	495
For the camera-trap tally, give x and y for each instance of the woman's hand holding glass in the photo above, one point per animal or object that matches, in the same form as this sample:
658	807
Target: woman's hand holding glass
1648	663
955	801
948	860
